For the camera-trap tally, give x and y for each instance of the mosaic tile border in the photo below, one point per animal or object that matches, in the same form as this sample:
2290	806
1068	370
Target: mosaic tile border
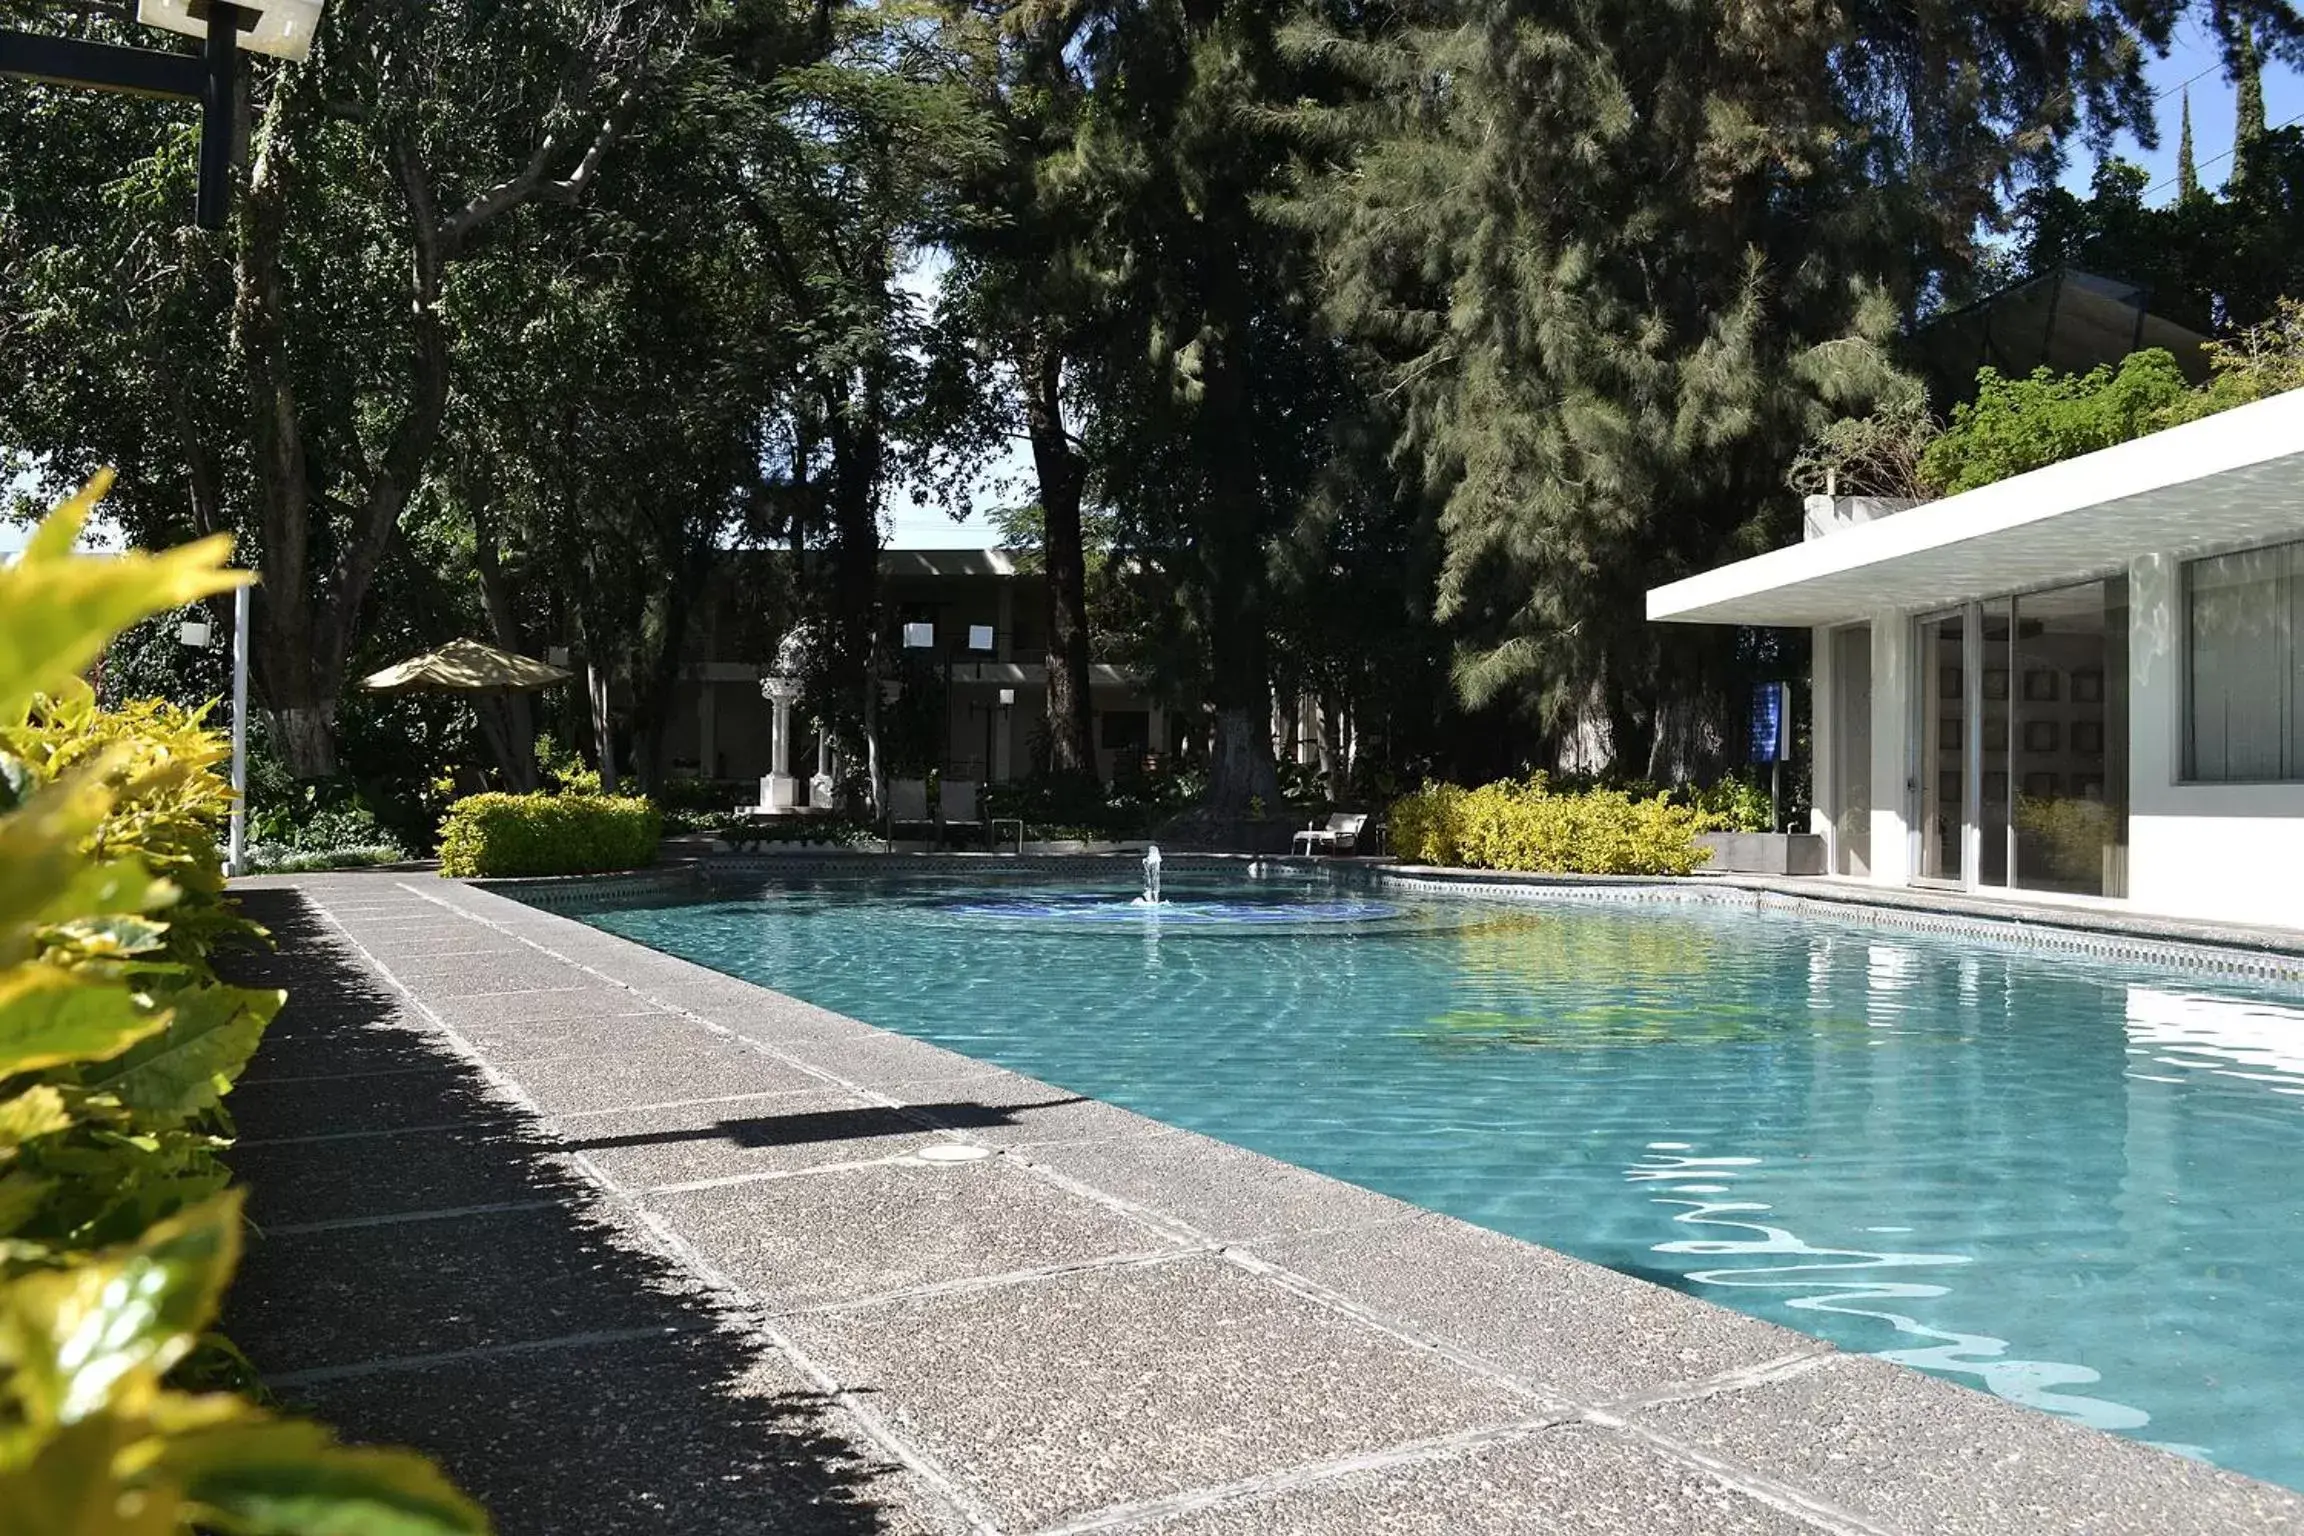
565	894
2021	932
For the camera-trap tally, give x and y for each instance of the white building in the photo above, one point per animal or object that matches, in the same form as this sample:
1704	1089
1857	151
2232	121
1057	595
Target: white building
2085	683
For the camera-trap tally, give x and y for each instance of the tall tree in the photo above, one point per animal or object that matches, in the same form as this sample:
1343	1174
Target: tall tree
1615	260
1214	388
2187	167
1019	303
311	418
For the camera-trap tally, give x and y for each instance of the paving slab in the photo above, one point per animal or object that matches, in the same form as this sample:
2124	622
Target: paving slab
539	1009
848	1233
699	1436
1232	1194
696	1066
1921	1454
618	1034
780	1133
882	1060
416	1170
1005	1109
1556	1322
1111	1386
1567	1480
337	1296
438	1089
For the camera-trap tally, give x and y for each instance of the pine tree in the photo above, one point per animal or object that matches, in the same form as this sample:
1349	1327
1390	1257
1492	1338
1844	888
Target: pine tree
1616	260
2187	169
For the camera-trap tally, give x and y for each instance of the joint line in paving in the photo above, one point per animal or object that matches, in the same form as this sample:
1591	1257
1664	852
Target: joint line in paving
396	1218
961	1500
1250	1490
971	1284
636	1109
392	1363
431	1128
1766	1373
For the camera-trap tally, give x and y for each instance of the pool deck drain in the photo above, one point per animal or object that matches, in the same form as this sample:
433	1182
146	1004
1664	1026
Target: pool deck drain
631	1245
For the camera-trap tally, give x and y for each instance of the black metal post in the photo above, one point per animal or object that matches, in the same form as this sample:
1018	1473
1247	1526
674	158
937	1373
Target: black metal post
217	98
211	79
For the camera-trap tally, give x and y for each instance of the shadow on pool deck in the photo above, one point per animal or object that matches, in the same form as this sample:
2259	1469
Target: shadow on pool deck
808	1127
429	1270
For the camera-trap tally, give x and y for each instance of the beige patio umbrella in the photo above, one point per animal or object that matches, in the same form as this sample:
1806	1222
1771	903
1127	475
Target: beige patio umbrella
465	666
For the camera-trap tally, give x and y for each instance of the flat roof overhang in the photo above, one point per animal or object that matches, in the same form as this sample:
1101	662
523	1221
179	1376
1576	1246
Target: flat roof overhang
2234	478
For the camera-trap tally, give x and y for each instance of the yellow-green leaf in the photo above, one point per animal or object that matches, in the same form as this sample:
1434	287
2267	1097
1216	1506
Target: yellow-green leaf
49	1017
37	1111
189	1065
59	609
78	1339
286	1478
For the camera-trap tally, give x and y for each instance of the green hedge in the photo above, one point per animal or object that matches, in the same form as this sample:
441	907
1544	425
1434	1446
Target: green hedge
1524	825
504	835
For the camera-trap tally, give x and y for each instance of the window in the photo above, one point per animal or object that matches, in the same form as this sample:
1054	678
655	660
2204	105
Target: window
2244	704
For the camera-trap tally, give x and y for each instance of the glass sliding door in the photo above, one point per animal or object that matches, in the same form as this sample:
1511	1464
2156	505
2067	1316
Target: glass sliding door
1943	746
1852	750
2069	736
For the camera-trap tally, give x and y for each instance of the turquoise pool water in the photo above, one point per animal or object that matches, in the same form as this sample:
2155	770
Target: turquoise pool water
2077	1185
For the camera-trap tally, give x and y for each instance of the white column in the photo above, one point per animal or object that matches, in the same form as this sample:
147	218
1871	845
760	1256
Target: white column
1823	727
1894	788
779	791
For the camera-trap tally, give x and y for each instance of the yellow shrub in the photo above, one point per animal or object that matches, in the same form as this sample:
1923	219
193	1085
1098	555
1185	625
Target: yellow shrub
1523	825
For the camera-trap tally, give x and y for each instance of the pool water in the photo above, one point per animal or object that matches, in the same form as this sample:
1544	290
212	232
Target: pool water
2076	1184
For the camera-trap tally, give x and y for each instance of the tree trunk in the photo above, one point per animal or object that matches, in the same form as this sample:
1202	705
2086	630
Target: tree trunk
518	715
1071	749
305	734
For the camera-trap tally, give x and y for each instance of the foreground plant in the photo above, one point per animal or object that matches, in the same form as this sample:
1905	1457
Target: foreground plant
117	1045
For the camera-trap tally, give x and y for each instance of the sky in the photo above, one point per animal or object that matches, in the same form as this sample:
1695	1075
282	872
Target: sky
2192	63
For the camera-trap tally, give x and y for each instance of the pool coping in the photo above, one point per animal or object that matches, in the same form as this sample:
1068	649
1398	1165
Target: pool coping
1675	1412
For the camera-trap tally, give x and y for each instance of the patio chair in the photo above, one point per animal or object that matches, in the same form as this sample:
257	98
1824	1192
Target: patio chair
957	807
1340	835
907	803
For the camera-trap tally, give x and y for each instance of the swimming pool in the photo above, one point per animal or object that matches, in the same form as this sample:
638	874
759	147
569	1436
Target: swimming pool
2076	1184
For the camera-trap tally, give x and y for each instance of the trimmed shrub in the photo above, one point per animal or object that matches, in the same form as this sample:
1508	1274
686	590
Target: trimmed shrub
1523	825
497	836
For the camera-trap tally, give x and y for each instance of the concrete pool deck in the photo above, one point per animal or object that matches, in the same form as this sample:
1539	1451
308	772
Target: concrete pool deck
631	1245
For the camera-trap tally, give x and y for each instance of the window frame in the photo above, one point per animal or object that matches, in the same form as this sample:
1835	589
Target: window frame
2188	775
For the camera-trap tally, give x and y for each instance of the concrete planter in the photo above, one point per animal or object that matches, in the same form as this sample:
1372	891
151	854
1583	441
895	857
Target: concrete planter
1764	853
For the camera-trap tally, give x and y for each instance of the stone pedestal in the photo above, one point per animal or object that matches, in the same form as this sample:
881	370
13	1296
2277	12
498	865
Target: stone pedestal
779	789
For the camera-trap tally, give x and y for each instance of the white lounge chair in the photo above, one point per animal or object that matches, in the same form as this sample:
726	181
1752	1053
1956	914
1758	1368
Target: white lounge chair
1340	835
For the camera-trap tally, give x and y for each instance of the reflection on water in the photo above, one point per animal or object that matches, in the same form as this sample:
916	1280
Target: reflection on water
1852	1282
2075	1184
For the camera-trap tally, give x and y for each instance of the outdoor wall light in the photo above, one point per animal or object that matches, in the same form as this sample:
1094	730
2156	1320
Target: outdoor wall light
281	28
194	633
979	637
919	637
1007	697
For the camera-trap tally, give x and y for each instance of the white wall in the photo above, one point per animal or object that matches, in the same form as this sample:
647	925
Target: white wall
2230	852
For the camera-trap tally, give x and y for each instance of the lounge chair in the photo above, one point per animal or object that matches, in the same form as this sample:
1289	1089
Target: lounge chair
907	803
1340	835
957	806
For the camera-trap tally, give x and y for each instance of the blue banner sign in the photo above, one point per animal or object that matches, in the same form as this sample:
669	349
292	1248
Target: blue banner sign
1772	723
